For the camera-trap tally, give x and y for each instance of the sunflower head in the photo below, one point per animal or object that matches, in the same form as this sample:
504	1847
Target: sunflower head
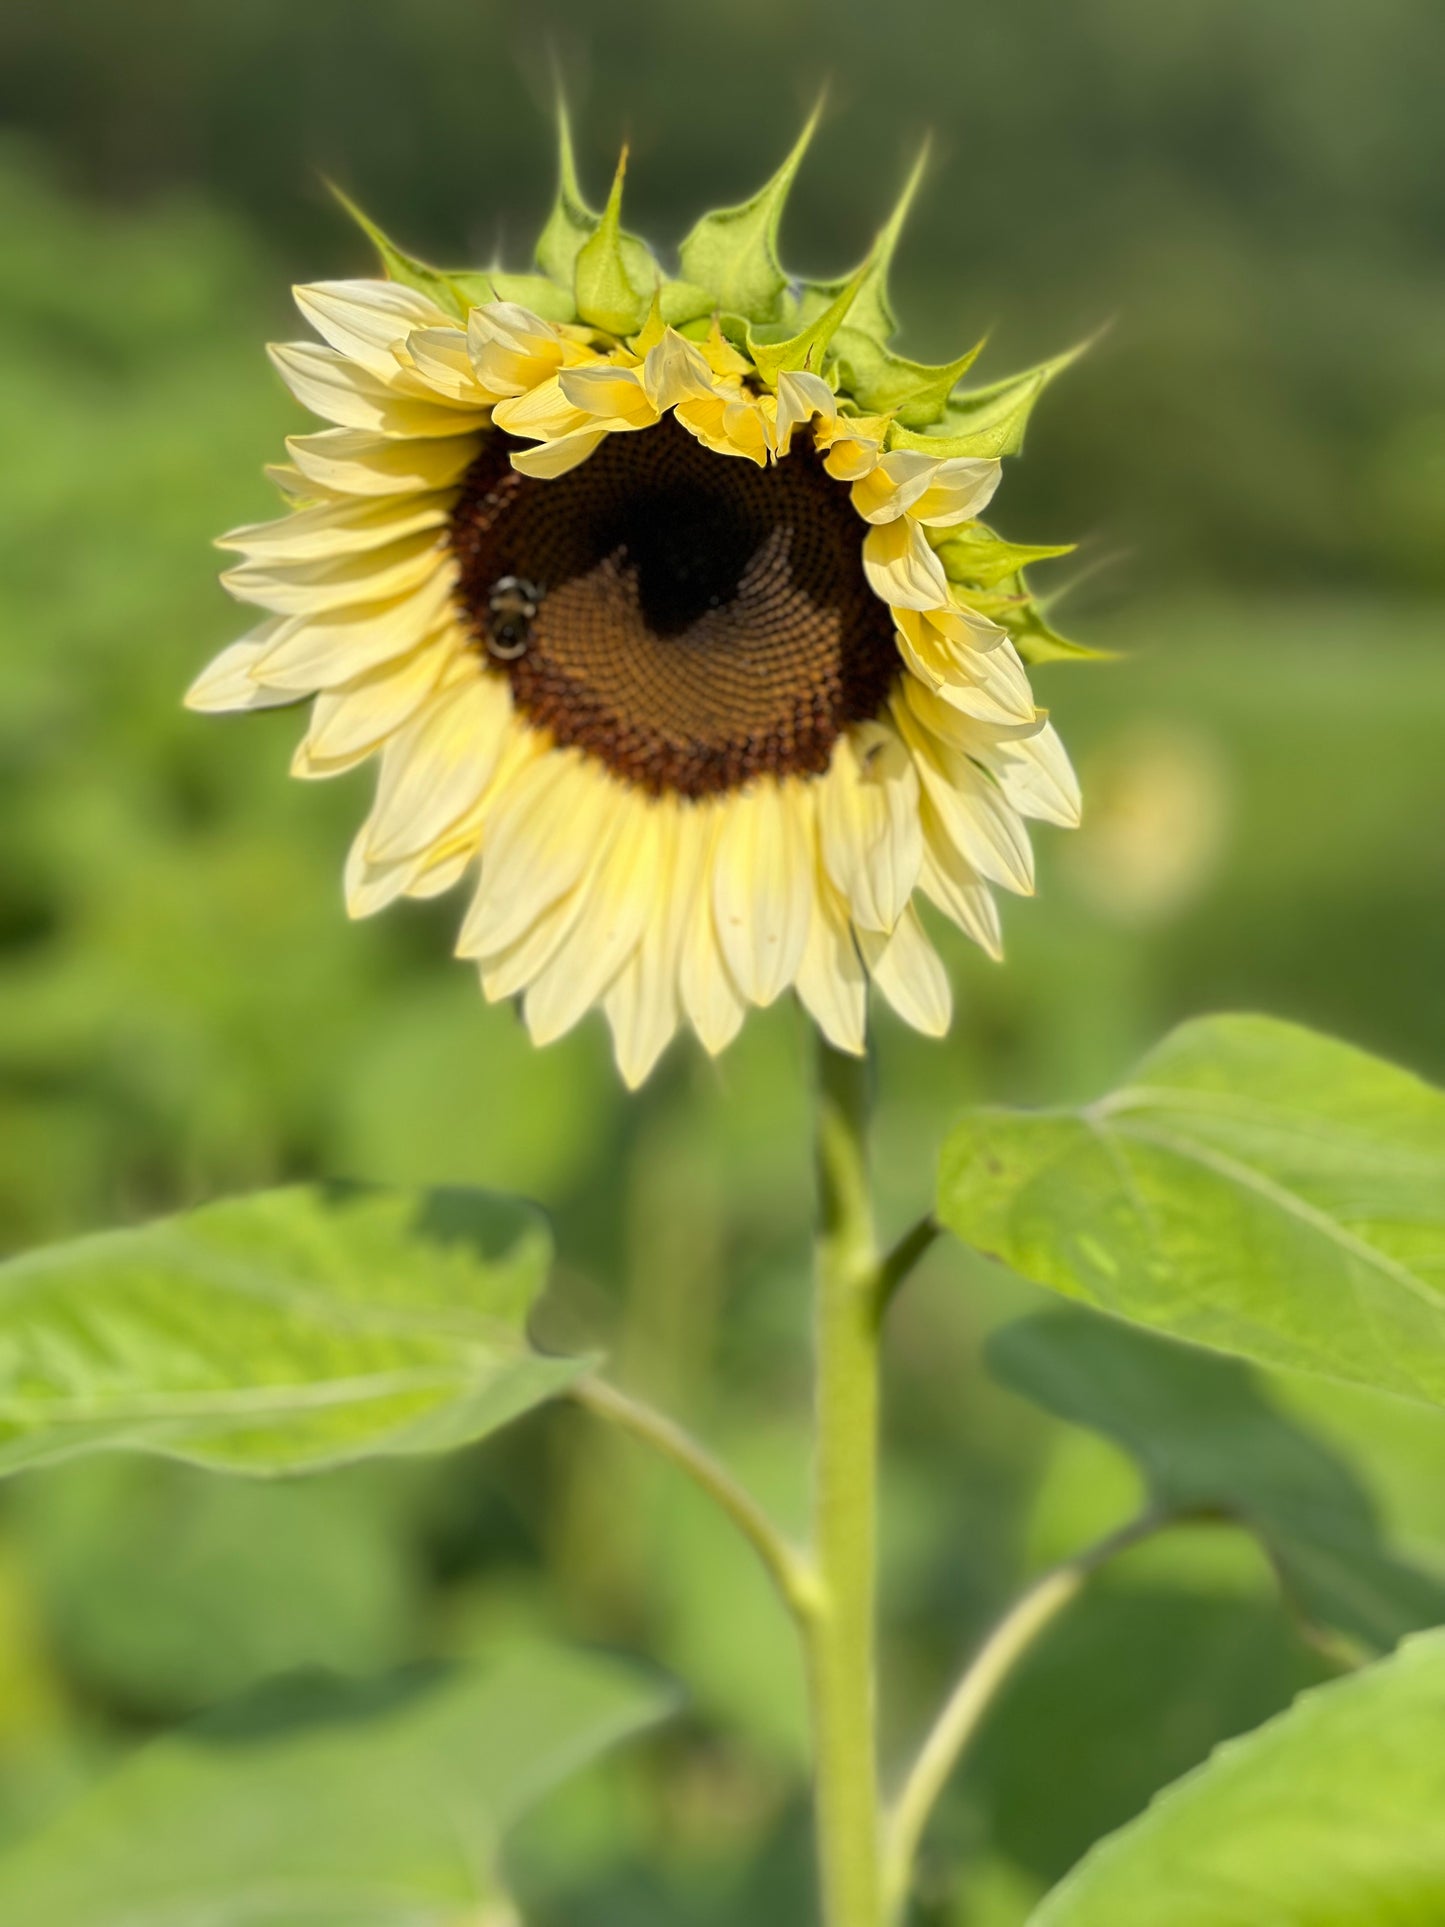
664	605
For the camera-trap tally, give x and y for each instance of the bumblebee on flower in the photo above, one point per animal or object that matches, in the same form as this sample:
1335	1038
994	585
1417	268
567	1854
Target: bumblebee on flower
664	605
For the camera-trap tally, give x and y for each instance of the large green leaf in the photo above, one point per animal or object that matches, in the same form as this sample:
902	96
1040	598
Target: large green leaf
1255	1188
319	1803
1208	1435
1329	1816
280	1331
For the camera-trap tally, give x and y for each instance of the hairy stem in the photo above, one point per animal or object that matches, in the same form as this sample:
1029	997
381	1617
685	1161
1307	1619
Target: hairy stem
840	1637
786	1566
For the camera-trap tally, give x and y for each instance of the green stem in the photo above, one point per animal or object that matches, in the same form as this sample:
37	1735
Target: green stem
840	1636
979	1685
788	1568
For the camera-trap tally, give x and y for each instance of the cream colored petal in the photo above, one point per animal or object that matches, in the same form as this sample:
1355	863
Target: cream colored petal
351	461
442	875
831	980
675	370
509	971
319	651
893	483
370	886
336	529
547	830
641	1006
513	350
850	457
728	427
363	319
543	413
970	807
1036	776
957	726
952	884
298	490
228	682
908	970
620	896
902	569
607	394
763	885
550	459
990	685
309	588
714	1005
961	489
436	767
801	396
340	391
437	360
352	721
868	823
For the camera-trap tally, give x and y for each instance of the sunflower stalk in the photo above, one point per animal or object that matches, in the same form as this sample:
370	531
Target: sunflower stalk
840	1637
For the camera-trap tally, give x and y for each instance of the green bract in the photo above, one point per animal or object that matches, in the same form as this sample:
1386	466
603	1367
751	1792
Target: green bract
597	276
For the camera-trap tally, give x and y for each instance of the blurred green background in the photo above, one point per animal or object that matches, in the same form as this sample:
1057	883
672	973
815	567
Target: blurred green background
1254	192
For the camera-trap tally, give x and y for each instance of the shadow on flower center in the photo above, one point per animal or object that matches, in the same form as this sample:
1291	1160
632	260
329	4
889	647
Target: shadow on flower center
689	618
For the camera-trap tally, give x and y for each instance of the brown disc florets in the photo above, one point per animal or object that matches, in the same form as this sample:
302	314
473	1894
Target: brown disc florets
690	619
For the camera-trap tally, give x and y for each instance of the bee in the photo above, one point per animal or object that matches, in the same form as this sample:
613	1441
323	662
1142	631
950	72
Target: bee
511	610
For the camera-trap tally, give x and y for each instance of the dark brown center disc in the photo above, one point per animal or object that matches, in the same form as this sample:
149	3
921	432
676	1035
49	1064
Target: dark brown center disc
688	618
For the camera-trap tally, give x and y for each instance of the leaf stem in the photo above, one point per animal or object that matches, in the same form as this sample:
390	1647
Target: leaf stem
899	1262
840	1638
788	1567
982	1680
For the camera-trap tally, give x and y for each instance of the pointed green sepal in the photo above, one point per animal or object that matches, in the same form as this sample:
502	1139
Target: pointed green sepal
610	292
1028	626
535	291
682	302
872	312
807	348
887	384
974	554
571	224
733	252
436	283
992	420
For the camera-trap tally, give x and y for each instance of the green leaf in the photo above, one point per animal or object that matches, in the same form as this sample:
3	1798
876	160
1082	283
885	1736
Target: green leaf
1256	1188
883	383
318	1803
436	283
610	294
1329	1816
278	1332
733	252
974	554
1207	1434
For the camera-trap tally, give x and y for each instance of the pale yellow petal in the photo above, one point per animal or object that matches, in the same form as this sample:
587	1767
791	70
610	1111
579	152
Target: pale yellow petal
970	807
902	569
763	885
548	827
675	370
337	529
550	459
831	979
801	396
909	972
334	646
351	461
350	722
956	888
436	767
868	823
1036	776
619	896
341	391
893	483
364	319
604	393
377	575
641	1006
714	1005
961	489
229	683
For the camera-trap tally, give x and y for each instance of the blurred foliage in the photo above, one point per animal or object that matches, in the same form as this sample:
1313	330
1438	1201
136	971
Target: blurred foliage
1254	190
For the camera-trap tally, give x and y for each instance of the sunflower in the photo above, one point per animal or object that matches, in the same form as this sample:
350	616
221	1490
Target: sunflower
665	608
